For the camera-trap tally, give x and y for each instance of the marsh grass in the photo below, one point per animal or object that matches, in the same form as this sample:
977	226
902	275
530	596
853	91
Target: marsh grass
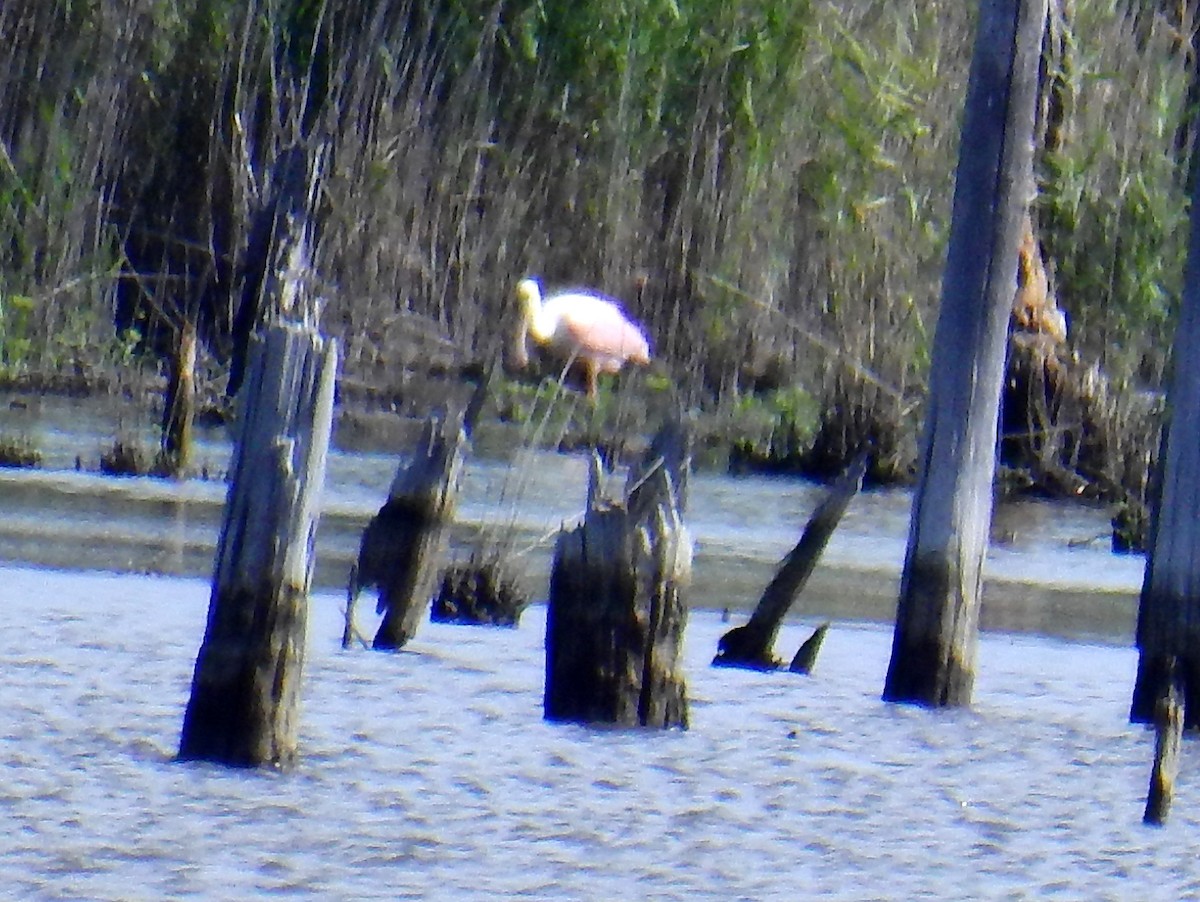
19	451
766	185
481	590
129	456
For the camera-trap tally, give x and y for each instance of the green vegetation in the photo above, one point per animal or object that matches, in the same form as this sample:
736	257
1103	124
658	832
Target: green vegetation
766	183
19	451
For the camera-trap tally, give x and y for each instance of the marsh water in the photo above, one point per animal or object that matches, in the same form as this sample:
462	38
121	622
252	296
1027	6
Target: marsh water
431	774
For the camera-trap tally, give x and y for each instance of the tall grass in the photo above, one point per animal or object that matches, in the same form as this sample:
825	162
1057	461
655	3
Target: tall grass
766	184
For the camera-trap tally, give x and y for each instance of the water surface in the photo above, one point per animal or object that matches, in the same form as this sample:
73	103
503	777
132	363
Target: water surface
430	774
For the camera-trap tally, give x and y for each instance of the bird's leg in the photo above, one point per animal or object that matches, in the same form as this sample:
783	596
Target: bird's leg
589	379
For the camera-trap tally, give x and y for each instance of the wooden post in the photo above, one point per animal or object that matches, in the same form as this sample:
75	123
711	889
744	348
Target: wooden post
933	650
180	403
614	626
1168	735
244	704
750	645
401	546
1168	626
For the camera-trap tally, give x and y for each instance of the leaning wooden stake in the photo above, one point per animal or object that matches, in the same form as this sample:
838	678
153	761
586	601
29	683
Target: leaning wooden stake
614	626
402	545
245	696
1168	734
750	645
937	619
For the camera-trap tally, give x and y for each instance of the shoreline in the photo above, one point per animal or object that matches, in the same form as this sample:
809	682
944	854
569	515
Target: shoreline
70	521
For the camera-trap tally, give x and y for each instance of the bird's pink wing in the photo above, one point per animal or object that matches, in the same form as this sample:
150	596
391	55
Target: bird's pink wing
603	333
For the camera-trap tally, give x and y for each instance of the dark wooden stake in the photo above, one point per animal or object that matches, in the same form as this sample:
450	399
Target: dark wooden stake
616	615
180	404
402	545
244	705
1168	626
750	646
806	656
937	619
1168	735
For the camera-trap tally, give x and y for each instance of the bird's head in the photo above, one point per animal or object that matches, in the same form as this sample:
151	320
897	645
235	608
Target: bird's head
529	295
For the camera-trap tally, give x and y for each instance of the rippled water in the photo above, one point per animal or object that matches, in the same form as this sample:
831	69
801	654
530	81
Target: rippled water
431	774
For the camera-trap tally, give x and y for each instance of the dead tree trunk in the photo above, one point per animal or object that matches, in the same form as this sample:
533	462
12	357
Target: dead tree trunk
243	709
933	651
751	645
402	545
1168	625
614	627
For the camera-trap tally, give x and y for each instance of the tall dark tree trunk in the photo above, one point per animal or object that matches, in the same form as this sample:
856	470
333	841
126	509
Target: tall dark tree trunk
933	651
1168	628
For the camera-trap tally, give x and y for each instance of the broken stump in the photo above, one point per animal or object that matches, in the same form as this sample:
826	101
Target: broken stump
1168	735
401	546
806	655
616	615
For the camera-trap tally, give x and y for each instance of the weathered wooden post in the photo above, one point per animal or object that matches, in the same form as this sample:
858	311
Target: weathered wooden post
401	547
1168	735
244	704
180	404
750	645
614	626
1168	627
937	621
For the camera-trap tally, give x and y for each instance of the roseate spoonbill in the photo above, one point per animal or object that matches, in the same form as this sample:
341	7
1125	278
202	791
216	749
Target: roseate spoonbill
579	325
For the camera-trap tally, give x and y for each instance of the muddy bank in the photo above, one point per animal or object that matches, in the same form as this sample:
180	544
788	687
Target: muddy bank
68	520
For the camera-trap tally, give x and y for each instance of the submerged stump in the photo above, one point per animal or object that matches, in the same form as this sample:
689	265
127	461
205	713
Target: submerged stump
750	645
806	656
244	703
1168	736
616	615
401	547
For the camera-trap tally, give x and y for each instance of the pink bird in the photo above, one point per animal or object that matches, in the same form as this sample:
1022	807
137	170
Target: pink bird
588	328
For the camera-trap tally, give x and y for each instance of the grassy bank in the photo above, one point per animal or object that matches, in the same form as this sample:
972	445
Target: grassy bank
766	185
